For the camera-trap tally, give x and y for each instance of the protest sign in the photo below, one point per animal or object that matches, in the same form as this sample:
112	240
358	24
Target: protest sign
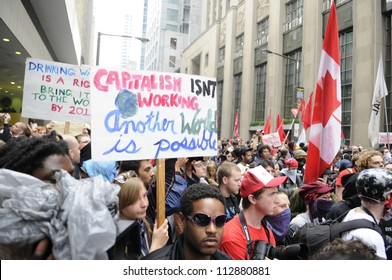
146	115
385	138
56	91
272	139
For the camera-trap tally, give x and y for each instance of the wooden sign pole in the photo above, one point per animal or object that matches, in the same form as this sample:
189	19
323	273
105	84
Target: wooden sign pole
161	192
66	127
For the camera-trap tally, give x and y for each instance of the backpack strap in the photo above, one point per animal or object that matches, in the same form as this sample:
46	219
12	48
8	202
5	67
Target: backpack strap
249	242
337	229
246	233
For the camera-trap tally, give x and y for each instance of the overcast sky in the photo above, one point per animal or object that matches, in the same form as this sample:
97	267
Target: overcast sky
109	15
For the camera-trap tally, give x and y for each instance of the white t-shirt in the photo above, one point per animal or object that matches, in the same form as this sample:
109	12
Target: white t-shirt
243	168
368	236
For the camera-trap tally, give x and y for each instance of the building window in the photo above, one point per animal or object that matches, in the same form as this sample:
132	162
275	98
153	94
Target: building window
260	91
237	98
206	60
294	13
219	89
327	4
239	45
221	59
172	61
346	75
172	15
173	43
292	81
262	32
388	69
172	27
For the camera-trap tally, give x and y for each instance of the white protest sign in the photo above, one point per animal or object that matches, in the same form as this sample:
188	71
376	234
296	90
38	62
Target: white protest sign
385	138
146	115
272	139
56	91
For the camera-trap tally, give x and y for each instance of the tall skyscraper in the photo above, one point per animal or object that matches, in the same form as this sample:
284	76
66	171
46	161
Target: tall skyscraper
172	25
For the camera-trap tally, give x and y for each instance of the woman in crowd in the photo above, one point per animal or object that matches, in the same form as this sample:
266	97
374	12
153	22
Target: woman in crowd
318	199
212	168
135	238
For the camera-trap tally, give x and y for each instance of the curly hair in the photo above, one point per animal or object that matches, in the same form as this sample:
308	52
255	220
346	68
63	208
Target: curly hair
196	192
26	155
364	159
345	250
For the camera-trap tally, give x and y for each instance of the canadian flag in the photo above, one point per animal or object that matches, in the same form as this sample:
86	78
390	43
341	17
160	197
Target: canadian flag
325	130
307	113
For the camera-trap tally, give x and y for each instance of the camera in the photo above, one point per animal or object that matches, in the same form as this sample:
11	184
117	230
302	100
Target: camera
264	249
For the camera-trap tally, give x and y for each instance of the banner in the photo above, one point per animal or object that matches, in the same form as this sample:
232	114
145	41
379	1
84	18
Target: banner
385	138
380	91
56	91
152	115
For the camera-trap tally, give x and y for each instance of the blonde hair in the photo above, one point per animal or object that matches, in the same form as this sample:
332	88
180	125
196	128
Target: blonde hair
129	194
364	159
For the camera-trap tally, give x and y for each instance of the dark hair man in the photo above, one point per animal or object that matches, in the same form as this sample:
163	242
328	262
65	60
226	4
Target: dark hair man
203	214
246	159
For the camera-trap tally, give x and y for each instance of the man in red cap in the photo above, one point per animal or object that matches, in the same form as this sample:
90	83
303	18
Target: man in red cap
258	191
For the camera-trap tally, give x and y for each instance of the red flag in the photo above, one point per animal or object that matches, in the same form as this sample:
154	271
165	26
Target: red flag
307	113
325	130
280	130
267	125
236	130
301	106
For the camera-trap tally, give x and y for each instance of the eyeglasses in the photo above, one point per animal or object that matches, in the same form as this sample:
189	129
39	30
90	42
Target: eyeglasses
203	220
200	163
123	177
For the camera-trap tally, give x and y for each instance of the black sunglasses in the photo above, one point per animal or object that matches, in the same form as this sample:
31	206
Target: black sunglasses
203	220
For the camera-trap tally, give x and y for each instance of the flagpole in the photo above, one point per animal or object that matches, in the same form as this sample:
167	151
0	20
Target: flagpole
288	133
386	121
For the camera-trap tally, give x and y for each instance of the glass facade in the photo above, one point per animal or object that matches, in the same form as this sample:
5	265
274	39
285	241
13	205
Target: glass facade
388	69
292	81
237	97
260	92
346	74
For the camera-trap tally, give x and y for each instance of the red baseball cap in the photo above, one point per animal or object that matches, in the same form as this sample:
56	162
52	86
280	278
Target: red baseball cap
291	162
258	178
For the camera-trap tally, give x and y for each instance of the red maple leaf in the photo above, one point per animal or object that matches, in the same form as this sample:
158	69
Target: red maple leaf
329	96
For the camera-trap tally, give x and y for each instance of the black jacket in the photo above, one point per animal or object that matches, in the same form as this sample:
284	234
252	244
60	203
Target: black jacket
175	252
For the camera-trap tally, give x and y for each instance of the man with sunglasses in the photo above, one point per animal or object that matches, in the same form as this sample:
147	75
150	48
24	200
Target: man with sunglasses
258	191
203	214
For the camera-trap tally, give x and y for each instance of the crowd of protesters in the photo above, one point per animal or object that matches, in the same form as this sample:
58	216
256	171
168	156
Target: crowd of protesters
216	207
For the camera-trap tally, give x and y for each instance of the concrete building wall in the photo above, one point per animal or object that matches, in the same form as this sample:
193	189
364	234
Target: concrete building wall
364	18
14	15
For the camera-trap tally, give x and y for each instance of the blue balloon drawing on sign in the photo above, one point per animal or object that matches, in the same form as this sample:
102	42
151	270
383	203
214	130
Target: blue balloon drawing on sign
126	102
